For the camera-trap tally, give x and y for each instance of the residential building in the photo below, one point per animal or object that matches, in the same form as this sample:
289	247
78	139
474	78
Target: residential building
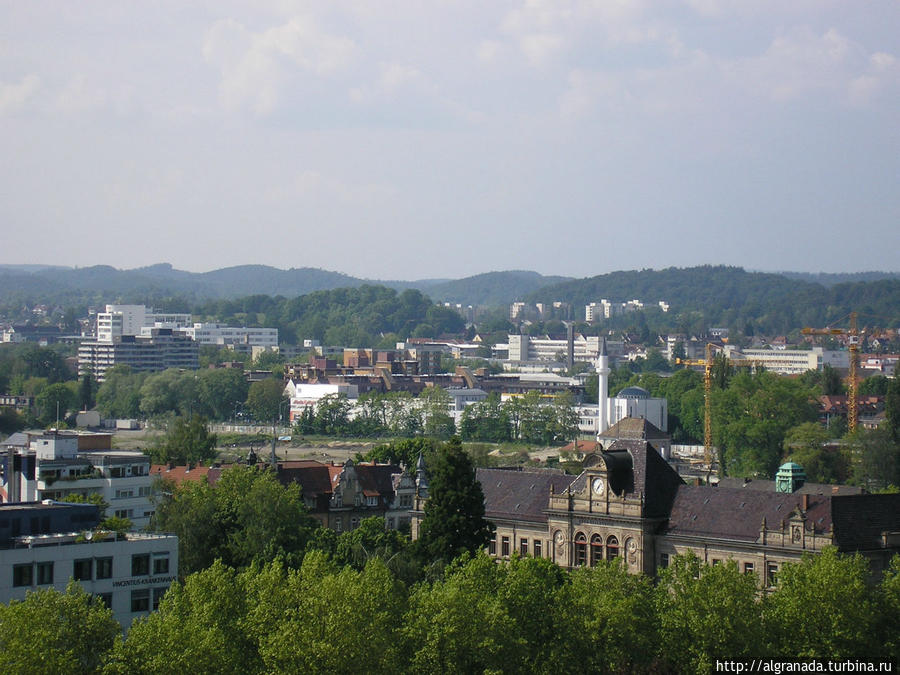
231	336
162	348
46	544
52	467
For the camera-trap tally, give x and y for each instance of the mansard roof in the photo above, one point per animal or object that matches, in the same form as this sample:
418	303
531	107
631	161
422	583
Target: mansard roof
734	513
519	495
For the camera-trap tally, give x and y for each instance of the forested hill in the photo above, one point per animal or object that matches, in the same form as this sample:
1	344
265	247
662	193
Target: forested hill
159	283
731	296
491	288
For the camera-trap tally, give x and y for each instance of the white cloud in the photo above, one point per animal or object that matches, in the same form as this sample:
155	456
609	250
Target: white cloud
79	96
14	96
255	67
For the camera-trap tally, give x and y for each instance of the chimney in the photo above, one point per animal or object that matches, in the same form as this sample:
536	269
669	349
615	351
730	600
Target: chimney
805	502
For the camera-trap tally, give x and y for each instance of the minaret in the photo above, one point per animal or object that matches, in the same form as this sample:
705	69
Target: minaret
602	390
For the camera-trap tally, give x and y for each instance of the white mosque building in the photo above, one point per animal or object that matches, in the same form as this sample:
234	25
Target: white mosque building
633	402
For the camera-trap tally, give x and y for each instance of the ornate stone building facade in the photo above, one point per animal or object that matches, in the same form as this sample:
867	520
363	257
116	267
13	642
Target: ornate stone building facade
630	503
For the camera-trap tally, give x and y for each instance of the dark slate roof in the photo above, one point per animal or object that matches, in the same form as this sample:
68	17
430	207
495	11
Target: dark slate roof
377	479
806	488
860	520
634	428
523	495
636	468
735	513
313	477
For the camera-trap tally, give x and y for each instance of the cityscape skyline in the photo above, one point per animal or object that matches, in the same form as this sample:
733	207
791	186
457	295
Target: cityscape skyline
445	141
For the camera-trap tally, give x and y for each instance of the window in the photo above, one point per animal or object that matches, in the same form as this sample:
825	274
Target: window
492	546
354	522
663	560
104	568
748	568
523	547
772	574
140	600
106	599
124	494
117	472
83	569
23	575
339	525
371	501
716	561
580	549
158	594
140	565
125	513
612	548
504	546
537	548
161	564
44	573
596	549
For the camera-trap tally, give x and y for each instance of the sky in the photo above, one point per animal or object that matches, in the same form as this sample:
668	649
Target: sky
442	139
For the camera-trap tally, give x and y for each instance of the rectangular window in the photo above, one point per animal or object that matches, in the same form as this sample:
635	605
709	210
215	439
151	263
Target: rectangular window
537	548
140	600
354	522
125	513
158	594
371	501
44	573
83	569
492	546
523	547
104	568
23	575
663	560
716	561
339	525
748	568
140	565
504	546
772	574
161	564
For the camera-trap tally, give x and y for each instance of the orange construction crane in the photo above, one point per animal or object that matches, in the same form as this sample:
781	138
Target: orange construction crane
707	364
853	395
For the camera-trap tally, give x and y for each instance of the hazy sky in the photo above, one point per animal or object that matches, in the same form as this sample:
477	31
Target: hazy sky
442	138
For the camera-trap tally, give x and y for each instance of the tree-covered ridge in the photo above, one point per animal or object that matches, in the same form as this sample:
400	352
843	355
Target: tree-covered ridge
353	317
492	288
731	296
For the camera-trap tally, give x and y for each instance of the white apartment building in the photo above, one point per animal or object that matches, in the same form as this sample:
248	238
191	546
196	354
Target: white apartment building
527	348
129	572
781	361
305	396
53	468
232	336
119	320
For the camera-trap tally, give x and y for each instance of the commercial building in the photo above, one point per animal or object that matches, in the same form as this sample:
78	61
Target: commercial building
46	544
231	336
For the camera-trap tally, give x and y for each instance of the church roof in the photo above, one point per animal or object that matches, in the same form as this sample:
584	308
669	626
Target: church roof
633	392
634	428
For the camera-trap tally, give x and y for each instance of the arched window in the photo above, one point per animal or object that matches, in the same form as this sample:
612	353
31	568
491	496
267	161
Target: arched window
596	549
612	547
580	549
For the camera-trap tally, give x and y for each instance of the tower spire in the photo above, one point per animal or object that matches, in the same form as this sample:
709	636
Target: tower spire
602	389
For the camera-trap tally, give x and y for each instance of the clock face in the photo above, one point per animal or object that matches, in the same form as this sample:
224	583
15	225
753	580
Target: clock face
597	485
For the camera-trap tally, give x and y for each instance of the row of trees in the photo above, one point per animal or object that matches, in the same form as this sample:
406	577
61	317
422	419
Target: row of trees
531	418
522	616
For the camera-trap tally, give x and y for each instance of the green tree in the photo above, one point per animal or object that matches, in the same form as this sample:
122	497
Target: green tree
198	628
458	624
888	599
892	407
806	444
707	613
119	394
876	458
54	401
186	442
454	520
87	391
221	391
823	608
264	399
52	632
606	621
832	385
435	407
